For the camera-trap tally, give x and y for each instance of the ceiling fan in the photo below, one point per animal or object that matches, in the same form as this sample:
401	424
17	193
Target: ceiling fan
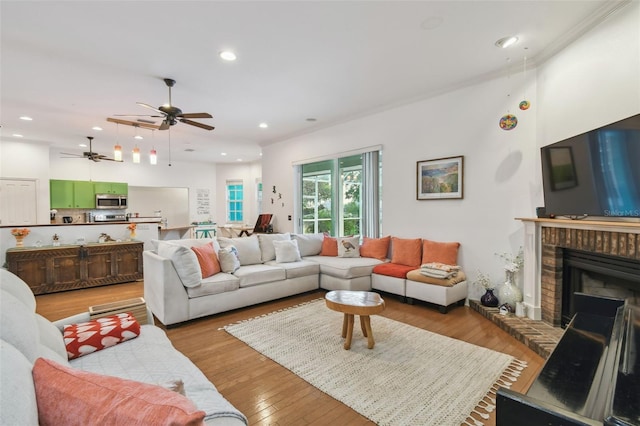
169	113
93	156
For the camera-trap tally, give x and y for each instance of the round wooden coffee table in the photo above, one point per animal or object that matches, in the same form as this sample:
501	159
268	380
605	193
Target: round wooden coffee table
363	303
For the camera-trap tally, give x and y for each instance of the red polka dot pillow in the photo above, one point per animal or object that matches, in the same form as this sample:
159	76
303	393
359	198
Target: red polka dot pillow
91	336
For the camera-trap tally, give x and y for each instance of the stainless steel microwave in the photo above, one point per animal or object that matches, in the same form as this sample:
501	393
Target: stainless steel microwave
111	201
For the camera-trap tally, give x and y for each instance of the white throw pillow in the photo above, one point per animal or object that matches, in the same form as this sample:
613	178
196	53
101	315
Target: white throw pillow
309	244
228	257
248	248
286	251
185	262
349	247
266	244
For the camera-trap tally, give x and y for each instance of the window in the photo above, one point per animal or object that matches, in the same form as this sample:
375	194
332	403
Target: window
235	193
341	196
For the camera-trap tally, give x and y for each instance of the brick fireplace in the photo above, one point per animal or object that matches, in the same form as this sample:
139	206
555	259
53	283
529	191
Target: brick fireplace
555	240
545	242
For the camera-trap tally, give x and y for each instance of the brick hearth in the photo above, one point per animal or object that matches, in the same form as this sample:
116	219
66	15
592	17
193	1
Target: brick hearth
539	336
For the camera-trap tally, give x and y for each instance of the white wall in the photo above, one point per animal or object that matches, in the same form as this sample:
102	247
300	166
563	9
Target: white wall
595	81
592	82
250	174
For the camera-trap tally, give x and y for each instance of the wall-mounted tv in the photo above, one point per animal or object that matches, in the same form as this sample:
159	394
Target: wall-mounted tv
596	173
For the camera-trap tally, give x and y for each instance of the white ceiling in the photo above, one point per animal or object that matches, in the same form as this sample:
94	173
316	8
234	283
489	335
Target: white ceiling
72	64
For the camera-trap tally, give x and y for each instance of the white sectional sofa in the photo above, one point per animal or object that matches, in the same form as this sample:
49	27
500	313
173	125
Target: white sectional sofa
149	359
259	278
176	292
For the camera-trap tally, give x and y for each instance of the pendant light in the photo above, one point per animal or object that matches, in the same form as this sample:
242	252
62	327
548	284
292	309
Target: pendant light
117	149
153	155
136	154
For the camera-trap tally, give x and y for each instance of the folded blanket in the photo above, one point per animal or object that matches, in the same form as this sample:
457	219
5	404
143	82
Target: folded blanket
440	266
434	273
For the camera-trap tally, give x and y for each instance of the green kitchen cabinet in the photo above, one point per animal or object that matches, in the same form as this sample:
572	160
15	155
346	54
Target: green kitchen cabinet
61	194
83	195
71	194
118	188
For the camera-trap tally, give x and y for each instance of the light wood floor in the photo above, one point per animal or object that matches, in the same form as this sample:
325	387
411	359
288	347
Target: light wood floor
269	394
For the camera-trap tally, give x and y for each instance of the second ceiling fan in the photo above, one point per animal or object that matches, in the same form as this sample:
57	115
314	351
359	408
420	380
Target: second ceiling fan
170	114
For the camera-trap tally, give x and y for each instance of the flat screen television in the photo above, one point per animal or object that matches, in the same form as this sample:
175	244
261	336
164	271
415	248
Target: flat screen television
596	173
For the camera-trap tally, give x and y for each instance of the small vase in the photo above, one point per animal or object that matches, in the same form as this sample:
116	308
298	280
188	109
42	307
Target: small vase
132	234
509	293
19	240
489	299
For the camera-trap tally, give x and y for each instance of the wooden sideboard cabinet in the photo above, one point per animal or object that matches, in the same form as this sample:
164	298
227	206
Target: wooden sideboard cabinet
52	269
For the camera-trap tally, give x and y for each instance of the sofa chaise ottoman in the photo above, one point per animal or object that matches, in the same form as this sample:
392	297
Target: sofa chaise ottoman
33	357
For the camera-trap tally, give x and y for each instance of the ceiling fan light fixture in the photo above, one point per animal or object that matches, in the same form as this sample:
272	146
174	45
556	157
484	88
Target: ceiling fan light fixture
505	42
228	55
136	155
153	157
117	152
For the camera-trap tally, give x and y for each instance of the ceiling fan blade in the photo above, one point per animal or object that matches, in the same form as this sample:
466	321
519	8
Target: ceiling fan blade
72	155
138	115
164	126
195	115
133	123
195	123
150	107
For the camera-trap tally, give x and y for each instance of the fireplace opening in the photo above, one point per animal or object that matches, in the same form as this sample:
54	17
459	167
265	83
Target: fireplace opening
598	275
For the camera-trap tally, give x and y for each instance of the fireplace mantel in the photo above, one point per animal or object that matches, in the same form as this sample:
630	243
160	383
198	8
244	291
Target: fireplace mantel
608	237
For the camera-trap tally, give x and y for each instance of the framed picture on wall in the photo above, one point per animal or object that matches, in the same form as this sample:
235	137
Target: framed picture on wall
440	178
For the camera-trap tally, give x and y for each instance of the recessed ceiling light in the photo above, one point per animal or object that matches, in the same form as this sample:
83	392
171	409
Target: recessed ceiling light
189	150
311	119
263	125
505	42
239	159
260	154
138	137
82	145
228	55
223	153
97	128
25	118
17	135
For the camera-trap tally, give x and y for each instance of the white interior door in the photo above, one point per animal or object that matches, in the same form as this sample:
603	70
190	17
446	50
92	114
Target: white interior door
17	202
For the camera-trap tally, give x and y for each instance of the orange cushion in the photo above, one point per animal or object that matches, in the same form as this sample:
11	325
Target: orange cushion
433	251
406	251
376	248
393	270
208	260
91	336
329	246
67	396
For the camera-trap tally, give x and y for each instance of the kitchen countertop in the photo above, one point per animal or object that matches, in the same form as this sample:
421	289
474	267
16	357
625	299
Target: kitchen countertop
73	224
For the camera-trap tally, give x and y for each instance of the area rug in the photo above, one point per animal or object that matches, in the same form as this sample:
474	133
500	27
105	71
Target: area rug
410	377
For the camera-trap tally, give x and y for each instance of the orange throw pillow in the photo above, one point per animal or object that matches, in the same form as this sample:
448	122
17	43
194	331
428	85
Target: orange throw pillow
208	260
329	246
376	248
67	396
433	251
406	251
